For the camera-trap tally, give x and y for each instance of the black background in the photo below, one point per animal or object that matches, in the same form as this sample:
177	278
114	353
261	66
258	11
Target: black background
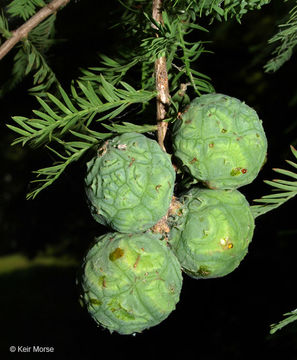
225	318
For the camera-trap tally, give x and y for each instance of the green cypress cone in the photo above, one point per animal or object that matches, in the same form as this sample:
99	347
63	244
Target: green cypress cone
130	183
220	141
130	282
211	232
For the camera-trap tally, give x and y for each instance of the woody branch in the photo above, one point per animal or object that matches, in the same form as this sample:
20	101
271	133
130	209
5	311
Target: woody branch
23	31
161	76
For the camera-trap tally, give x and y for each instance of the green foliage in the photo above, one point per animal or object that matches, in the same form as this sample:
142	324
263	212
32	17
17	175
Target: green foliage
179	21
180	53
290	317
103	92
58	119
283	190
230	8
286	39
222	9
191	51
24	8
74	150
113	70
4	29
30	59
171	42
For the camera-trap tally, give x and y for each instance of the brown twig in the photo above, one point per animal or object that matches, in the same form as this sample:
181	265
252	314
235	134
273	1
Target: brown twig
163	97
24	29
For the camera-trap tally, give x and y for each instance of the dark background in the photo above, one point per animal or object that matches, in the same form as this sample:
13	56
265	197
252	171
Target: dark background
43	241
